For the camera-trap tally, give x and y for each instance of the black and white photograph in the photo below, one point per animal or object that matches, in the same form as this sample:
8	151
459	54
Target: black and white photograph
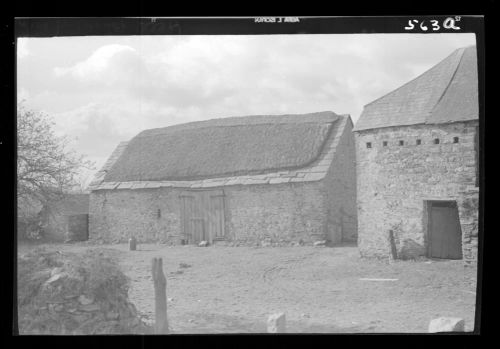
272	181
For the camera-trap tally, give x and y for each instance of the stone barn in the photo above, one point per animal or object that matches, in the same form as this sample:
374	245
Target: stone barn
249	180
69	214
417	165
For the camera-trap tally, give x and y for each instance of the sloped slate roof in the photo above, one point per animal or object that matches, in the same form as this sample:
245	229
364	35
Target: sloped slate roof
99	176
222	147
448	92
314	170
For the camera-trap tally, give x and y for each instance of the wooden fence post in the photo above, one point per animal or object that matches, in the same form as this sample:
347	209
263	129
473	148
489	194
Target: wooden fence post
160	284
392	245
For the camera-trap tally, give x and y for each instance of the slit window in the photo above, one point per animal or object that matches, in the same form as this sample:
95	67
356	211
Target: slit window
455	139
436	140
419	141
369	144
384	143
158	214
401	142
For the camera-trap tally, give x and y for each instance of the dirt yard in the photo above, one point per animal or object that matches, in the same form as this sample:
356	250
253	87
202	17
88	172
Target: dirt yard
233	289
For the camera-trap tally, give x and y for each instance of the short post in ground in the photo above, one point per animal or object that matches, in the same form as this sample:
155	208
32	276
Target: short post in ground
276	323
132	244
447	324
160	284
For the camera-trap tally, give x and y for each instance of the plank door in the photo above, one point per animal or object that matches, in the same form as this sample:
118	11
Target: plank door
216	216
187	215
445	231
202	216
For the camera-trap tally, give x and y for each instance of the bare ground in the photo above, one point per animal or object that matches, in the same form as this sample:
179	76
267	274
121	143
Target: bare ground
220	289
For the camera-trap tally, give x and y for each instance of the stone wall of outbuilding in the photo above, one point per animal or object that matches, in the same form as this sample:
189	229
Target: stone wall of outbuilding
395	181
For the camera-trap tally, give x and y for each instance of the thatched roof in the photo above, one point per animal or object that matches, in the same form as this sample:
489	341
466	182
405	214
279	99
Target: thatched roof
313	172
448	92
223	147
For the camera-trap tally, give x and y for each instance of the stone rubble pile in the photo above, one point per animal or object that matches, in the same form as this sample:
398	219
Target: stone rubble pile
64	304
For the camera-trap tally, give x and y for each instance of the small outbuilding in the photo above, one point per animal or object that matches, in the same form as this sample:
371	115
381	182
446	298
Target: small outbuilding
279	179
417	154
66	218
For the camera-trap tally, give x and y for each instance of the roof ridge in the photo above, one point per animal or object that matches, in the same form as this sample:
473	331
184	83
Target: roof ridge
228	126
250	117
415	78
449	82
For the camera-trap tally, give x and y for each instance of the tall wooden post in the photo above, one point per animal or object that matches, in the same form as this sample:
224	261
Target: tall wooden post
160	284
392	245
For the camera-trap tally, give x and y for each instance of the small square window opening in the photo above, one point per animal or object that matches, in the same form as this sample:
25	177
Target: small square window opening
384	143
455	139
368	144
436	141
419	141
401	142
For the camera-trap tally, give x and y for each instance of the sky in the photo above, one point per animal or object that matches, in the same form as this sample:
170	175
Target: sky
101	90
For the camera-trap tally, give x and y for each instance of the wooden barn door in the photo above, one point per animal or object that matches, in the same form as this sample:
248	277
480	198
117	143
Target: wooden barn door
187	217
202	215
445	233
216	215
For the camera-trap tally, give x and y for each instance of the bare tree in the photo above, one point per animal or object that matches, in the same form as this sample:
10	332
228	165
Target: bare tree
46	168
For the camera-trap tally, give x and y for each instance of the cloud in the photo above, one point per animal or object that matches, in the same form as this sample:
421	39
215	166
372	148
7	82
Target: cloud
341	72
110	65
97	128
170	79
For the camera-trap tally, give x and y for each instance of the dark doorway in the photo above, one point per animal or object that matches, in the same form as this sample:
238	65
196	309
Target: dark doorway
78	227
444	231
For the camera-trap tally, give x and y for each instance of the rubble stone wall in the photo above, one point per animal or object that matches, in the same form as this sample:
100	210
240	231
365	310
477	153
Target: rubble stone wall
340	191
279	213
149	215
282	213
